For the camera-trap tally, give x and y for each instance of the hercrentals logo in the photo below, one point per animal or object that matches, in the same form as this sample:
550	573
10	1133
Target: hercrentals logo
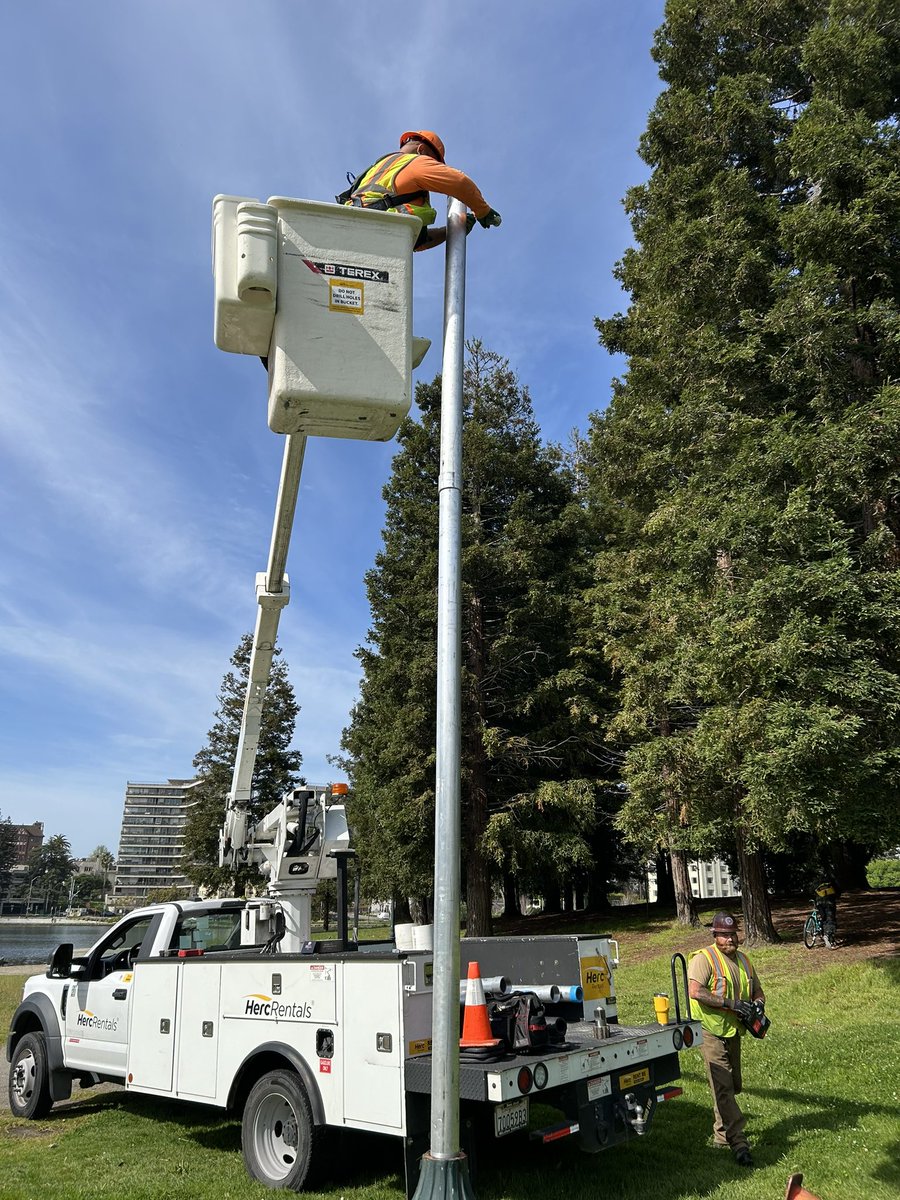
257	1005
87	1020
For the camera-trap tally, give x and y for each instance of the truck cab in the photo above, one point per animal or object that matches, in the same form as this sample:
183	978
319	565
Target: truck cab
76	1016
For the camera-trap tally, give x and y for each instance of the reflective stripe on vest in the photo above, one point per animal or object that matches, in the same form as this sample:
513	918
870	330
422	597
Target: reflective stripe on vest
717	1021
378	181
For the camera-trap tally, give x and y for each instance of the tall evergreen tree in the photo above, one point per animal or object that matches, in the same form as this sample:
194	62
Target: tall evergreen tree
750	595
525	742
275	772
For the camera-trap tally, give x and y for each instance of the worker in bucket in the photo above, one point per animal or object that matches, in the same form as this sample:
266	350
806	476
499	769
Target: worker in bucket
401	182
723	986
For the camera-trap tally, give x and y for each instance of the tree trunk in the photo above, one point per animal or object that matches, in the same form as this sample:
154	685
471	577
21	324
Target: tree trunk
665	886
685	907
400	908
758	925
421	909
568	898
512	906
551	900
478	872
598	879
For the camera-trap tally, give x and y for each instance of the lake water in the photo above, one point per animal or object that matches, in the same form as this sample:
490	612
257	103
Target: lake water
27	942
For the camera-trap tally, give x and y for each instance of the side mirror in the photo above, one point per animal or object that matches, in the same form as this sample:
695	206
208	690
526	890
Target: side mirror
61	962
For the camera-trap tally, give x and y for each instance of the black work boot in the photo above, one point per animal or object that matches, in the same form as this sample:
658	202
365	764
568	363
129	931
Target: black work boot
743	1157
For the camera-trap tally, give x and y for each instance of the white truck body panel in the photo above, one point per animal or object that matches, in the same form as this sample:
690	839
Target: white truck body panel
196	1021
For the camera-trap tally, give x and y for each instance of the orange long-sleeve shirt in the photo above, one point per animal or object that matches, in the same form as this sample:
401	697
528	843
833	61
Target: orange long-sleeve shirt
427	175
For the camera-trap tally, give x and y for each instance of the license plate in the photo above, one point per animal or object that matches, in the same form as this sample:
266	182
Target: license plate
510	1116
627	1081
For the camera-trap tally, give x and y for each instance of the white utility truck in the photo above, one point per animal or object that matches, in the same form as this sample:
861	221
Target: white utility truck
231	1003
335	1036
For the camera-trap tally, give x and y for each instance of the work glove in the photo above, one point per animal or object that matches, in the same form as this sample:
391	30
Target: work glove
491	217
470	223
743	1009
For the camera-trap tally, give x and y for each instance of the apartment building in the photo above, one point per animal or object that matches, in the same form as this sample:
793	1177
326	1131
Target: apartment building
26	839
151	844
709	880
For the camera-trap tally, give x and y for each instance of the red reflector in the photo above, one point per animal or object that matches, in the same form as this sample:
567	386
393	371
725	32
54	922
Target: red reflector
189	953
670	1093
524	1080
688	1036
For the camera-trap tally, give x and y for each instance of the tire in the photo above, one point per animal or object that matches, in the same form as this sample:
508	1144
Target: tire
278	1137
810	932
29	1078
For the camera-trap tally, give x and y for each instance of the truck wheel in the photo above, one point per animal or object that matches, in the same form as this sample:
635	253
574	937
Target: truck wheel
278	1137
29	1078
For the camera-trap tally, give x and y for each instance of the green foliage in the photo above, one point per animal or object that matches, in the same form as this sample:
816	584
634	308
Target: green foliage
529	703
883	873
163	895
276	770
745	477
103	857
7	852
49	869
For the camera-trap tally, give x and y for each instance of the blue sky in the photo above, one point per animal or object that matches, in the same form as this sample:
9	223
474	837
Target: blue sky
138	473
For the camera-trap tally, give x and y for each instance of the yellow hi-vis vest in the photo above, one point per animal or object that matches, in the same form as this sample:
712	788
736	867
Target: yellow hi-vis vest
717	1021
378	183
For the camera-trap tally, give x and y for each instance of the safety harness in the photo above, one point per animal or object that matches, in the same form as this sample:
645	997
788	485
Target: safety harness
386	199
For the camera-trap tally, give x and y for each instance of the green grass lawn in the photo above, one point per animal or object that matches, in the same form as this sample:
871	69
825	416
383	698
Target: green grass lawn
821	1096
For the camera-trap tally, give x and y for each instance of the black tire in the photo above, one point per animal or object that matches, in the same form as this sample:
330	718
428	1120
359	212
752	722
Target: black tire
278	1137
810	932
29	1078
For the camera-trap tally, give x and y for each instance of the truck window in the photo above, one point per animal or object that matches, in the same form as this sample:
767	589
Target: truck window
217	930
121	949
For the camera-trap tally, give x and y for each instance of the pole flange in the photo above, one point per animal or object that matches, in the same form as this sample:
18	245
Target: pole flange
444	1179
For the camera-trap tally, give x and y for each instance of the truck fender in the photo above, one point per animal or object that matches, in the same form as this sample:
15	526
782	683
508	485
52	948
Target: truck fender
37	1014
297	1061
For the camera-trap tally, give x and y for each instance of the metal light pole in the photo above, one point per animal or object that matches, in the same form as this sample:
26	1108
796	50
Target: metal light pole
443	1172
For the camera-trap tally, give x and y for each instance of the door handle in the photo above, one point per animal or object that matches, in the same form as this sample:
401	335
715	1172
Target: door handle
120	993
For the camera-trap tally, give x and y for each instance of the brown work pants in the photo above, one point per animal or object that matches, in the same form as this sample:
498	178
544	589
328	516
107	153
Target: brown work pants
723	1072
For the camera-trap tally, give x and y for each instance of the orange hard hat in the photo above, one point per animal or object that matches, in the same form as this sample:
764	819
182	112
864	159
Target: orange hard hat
424	135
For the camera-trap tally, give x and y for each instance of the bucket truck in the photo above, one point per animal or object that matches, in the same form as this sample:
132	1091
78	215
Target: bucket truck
232	1003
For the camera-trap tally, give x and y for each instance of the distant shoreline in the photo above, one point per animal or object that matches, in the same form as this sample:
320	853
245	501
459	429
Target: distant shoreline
58	920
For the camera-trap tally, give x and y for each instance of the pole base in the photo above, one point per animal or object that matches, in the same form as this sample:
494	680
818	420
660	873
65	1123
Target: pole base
444	1179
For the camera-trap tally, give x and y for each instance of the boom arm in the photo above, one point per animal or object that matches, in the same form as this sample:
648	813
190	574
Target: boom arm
272	594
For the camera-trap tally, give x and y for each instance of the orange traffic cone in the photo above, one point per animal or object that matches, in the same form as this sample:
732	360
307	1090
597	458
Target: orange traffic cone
796	1190
476	1026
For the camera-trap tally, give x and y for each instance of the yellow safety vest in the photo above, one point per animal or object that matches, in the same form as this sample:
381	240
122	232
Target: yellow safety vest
377	185
717	1021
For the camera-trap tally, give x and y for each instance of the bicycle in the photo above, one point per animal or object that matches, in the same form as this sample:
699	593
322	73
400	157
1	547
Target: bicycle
814	932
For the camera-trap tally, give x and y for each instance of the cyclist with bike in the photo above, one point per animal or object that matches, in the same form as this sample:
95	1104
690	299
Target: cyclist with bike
825	900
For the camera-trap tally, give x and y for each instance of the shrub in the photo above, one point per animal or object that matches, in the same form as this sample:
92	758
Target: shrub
883	872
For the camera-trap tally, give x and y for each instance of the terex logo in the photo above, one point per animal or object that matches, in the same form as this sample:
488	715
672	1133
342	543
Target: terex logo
87	1020
257	1005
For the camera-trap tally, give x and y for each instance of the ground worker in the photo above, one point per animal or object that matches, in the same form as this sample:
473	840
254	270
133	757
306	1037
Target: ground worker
722	984
400	182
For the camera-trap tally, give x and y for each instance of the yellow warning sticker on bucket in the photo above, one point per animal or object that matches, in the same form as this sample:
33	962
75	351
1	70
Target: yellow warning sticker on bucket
595	978
422	1046
633	1077
345	295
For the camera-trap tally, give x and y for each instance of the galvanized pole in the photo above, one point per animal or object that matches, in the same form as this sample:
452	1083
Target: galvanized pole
443	1168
